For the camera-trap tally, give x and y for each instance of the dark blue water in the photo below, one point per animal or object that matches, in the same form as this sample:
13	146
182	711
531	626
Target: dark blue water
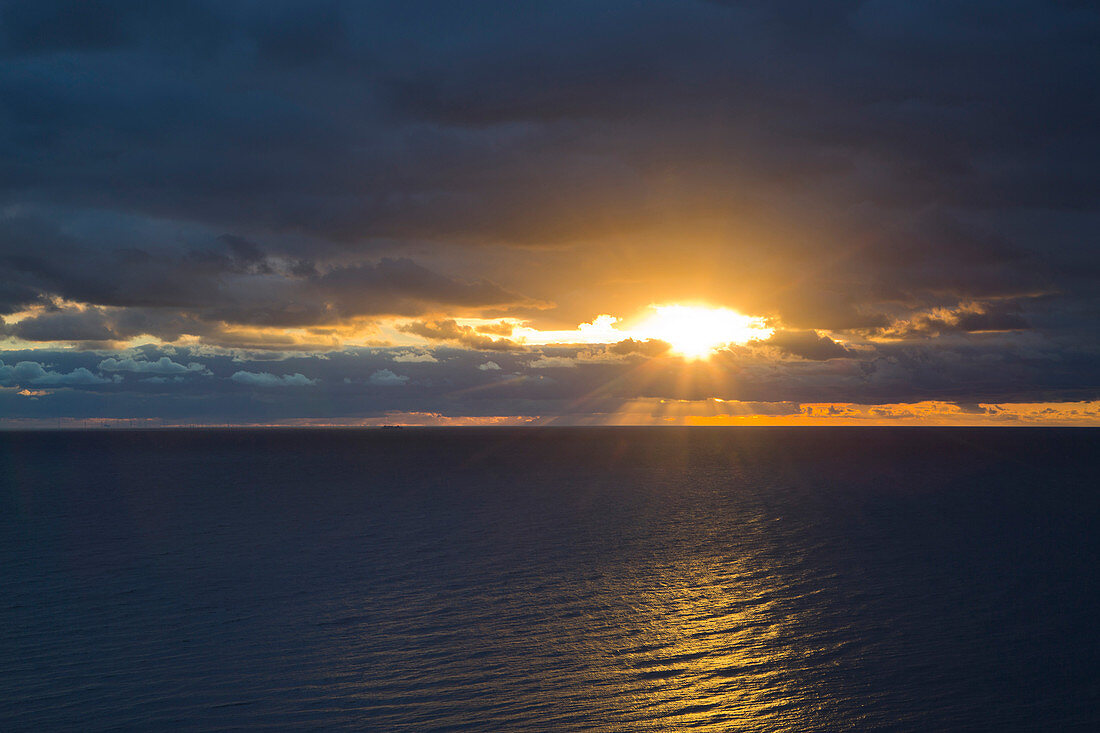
551	579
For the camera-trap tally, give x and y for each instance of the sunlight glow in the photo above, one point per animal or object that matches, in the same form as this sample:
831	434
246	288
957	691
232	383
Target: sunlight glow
602	330
695	332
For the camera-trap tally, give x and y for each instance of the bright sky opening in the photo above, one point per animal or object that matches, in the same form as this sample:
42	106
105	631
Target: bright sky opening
696	332
693	331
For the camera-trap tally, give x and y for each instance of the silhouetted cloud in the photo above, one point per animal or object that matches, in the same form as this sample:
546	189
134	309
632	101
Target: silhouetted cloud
649	347
965	318
807	345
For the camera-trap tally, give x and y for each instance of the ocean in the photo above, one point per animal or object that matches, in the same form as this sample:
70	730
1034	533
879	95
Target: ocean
551	579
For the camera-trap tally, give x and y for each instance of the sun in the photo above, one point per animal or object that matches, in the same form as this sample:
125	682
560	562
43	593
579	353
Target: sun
696	332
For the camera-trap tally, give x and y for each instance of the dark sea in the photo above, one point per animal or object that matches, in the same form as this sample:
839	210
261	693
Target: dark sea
551	579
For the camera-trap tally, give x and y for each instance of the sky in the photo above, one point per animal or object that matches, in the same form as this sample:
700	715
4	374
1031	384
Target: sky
441	213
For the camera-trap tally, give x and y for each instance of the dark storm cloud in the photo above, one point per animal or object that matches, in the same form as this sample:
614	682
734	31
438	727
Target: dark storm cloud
968	318
359	119
181	168
168	292
65	325
806	344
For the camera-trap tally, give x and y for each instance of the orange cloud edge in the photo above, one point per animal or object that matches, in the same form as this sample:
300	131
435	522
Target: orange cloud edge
658	412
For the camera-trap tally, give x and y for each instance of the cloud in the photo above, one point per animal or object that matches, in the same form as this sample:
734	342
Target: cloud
806	345
450	330
163	365
489	366
649	347
266	379
65	325
501	328
358	383
552	362
413	357
399	286
32	372
972	317
386	378
162	380
133	291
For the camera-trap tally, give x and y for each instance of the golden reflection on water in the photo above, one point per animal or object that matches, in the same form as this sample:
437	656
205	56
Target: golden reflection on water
649	603
707	643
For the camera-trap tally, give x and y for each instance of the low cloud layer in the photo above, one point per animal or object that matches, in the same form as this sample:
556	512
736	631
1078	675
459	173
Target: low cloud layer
552	383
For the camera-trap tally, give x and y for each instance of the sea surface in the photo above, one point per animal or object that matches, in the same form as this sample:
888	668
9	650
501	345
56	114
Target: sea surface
551	579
